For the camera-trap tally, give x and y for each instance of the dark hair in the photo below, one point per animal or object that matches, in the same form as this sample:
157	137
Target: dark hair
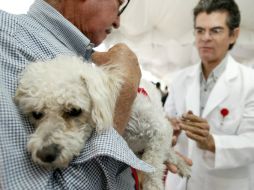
228	6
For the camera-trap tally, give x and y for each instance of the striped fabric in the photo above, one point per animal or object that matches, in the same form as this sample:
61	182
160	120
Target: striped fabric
104	163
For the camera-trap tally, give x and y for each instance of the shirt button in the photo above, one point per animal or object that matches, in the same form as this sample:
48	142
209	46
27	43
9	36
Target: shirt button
90	46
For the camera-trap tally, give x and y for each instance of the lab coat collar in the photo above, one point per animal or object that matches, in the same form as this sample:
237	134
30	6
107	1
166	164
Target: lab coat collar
219	92
221	89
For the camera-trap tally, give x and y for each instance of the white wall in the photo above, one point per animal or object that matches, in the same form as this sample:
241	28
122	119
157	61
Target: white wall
15	6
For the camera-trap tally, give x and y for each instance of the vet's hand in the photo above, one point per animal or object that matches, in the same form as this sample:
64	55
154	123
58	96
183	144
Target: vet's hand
173	168
197	129
176	129
121	54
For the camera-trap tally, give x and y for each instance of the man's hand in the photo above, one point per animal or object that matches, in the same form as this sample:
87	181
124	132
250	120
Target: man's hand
176	132
197	129
122	55
176	129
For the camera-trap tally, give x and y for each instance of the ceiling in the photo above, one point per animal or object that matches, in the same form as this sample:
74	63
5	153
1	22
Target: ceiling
160	33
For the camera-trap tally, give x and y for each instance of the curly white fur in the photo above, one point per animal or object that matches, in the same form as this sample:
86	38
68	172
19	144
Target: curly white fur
66	99
51	92
149	131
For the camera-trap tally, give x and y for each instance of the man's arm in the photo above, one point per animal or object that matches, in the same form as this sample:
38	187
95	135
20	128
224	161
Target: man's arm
170	109
121	54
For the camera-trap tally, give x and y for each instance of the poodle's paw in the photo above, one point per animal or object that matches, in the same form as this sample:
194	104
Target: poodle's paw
184	170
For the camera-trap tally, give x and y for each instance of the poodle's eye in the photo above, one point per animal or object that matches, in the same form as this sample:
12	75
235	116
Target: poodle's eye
37	115
74	112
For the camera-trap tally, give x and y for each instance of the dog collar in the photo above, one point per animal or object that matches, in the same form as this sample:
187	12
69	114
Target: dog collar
142	91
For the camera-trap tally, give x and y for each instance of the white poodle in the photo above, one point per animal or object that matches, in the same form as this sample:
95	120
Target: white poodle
66	99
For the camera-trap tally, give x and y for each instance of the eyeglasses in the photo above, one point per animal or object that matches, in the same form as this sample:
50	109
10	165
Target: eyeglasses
213	32
123	7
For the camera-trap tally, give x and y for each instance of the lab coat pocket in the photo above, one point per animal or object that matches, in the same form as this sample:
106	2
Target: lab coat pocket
228	120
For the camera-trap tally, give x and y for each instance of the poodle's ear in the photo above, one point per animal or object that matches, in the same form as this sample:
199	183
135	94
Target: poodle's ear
103	92
20	98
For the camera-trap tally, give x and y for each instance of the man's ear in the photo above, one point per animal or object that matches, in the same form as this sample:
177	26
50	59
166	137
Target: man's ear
100	58
103	92
234	35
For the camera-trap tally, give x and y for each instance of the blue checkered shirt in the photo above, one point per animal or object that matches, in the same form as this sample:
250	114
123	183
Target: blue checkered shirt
104	162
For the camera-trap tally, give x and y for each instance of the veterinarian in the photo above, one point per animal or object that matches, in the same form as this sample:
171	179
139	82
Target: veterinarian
51	28
213	102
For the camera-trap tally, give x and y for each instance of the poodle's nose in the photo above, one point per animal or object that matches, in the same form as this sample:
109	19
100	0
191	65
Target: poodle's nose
49	153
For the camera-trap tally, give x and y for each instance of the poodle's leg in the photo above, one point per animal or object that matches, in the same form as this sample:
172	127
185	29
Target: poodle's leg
154	154
184	169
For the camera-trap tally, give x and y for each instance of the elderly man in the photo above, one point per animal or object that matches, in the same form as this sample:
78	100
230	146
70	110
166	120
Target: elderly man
50	28
213	103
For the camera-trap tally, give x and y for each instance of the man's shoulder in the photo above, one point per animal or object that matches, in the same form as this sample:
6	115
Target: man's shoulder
185	73
7	21
247	73
189	69
5	15
12	24
246	70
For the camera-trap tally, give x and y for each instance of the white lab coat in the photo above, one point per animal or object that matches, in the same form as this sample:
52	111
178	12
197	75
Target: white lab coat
231	166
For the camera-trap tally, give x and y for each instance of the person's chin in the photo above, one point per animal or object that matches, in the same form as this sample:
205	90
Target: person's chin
206	53
205	56
97	42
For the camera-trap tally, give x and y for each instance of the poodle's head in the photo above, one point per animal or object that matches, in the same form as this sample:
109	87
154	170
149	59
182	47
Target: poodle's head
65	100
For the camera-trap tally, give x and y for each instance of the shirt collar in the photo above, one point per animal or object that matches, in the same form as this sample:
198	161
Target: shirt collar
61	28
217	71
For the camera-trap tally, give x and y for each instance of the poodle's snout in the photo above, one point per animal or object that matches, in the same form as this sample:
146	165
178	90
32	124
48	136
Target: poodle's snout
49	153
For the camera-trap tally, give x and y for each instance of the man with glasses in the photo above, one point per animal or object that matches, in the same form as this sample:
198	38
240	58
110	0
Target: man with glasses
213	103
50	28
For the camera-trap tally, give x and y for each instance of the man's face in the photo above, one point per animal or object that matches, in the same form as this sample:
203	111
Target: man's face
212	36
94	18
